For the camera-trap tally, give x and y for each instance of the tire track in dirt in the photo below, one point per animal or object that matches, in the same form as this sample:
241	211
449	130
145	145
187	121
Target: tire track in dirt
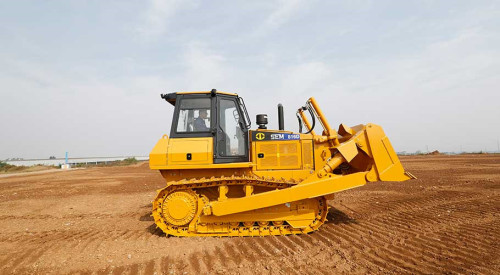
195	262
422	221
233	253
375	248
281	245
208	260
46	242
398	245
82	238
409	246
385	227
287	243
358	250
402	202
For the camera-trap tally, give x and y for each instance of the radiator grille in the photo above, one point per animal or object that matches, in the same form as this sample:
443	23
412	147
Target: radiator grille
307	154
288	148
269	148
280	155
290	160
269	162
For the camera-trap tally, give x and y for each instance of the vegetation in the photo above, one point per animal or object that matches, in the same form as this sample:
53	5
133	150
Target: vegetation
125	162
4	167
129	161
9	168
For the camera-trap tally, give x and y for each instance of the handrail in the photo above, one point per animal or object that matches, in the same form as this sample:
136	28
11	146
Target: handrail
248	123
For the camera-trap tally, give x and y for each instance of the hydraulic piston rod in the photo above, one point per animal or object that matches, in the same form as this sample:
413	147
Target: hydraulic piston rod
330	133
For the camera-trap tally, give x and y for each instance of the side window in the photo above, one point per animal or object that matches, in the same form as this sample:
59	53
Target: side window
233	140
194	115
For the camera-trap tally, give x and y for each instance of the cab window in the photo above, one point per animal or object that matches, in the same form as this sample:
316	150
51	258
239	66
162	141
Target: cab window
194	115
233	139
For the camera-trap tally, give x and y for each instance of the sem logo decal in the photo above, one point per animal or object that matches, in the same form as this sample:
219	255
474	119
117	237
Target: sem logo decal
259	136
285	136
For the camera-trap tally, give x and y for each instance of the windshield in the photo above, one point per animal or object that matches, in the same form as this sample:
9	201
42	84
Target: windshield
194	115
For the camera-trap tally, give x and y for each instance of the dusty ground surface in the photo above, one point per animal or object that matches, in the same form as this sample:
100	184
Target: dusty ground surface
97	221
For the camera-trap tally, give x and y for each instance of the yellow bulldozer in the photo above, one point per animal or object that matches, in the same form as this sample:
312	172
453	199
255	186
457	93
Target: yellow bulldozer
223	179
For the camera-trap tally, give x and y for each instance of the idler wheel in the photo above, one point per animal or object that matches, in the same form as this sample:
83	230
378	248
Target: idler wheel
179	207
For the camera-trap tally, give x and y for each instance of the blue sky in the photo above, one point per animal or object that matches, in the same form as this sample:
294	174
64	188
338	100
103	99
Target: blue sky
85	76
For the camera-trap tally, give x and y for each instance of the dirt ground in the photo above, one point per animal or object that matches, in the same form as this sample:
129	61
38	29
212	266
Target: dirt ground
97	221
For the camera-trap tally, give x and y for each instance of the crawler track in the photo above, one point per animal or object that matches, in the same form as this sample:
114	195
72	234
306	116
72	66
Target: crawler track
196	188
97	221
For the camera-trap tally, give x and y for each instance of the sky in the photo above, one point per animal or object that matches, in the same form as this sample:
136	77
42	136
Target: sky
86	76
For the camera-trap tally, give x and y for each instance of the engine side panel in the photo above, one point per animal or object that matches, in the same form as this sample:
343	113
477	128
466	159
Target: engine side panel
186	151
278	155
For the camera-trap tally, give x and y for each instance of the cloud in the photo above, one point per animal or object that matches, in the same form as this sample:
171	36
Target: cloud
285	9
204	68
157	16
305	77
280	13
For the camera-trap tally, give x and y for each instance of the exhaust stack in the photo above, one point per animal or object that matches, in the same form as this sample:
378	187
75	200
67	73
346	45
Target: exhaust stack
281	120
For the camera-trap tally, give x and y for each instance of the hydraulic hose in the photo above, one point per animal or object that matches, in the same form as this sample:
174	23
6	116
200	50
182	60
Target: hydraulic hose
313	119
300	121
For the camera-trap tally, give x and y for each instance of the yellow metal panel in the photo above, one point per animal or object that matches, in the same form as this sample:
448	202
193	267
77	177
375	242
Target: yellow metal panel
322	152
289	156
387	164
278	155
348	150
207	166
297	174
298	192
201	150
158	156
200	171
288	148
289	161
307	154
292	211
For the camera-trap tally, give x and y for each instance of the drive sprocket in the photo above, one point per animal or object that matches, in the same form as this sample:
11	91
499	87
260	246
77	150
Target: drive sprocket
179	207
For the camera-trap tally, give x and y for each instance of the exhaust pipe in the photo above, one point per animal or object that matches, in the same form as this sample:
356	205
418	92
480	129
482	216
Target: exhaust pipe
281	120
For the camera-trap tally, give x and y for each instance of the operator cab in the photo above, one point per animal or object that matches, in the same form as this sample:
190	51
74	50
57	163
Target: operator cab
216	115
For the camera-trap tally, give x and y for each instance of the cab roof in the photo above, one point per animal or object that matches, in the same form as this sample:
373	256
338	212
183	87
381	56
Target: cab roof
172	97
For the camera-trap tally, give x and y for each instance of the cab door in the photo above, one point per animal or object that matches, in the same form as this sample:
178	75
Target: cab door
231	134
192	134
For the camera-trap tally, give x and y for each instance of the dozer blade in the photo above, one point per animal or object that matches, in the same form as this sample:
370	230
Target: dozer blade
387	164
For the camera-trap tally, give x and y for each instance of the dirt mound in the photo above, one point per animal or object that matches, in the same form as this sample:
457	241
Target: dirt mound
97	220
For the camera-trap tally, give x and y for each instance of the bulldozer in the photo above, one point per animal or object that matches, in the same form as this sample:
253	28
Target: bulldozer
224	179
